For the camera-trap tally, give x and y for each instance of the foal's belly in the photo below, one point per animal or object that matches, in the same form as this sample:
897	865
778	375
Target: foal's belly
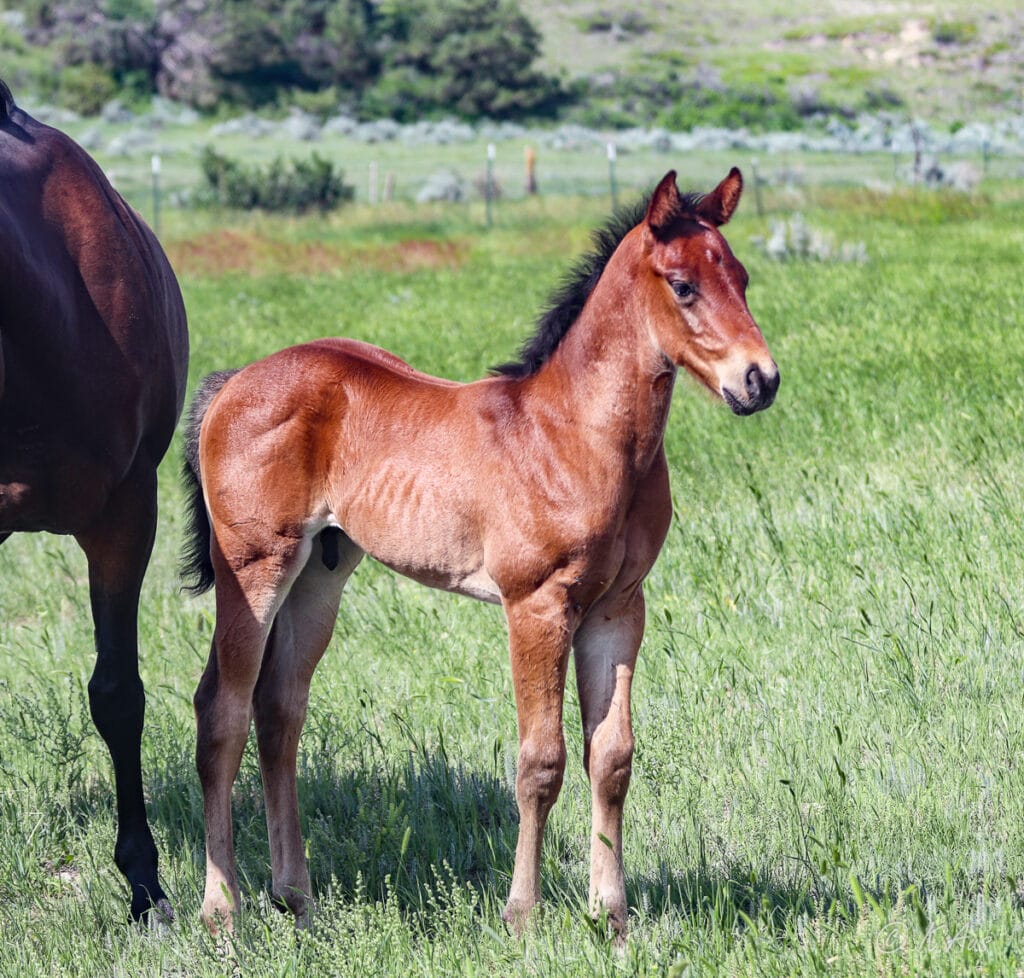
478	585
419	524
475	583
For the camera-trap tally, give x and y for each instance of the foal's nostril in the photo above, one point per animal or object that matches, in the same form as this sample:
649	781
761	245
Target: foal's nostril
760	387
753	379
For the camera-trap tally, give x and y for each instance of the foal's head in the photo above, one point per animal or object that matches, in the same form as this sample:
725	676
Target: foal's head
698	307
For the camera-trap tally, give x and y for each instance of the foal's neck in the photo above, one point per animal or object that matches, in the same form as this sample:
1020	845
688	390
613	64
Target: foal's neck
613	381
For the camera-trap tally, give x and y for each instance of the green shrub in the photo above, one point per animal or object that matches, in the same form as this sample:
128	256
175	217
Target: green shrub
86	88
297	186
757	109
954	31
322	103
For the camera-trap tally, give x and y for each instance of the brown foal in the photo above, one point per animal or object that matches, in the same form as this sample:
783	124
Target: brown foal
543	488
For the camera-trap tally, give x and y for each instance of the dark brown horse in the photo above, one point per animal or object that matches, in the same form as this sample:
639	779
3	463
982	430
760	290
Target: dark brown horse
93	355
543	488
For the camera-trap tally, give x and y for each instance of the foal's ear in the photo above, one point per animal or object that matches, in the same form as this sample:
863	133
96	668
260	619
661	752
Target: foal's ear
719	205
665	205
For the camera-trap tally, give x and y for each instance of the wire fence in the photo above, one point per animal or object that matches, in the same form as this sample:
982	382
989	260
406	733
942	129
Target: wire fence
161	174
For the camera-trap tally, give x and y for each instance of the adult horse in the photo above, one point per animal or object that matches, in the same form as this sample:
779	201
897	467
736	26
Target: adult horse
93	356
543	488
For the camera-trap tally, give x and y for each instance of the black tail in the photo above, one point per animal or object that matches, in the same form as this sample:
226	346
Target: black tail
196	566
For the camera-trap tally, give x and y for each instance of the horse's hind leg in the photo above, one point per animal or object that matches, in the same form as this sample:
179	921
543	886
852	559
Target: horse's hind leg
118	548
298	639
605	648
247	600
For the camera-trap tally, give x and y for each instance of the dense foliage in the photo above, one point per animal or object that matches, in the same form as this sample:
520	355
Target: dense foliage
299	186
473	57
402	58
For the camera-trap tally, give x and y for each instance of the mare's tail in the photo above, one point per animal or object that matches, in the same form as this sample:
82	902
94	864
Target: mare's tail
196	566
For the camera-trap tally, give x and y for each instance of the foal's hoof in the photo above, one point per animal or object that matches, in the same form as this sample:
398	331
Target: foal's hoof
219	920
294	900
611	924
517	915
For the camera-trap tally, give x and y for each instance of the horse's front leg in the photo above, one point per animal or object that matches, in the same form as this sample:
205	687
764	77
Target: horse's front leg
117	548
540	635
605	649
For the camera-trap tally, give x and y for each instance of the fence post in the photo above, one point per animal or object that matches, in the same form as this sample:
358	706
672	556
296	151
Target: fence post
154	165
757	188
531	170
489	184
372	183
611	176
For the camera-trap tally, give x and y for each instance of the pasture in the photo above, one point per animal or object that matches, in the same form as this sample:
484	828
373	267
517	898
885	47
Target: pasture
827	704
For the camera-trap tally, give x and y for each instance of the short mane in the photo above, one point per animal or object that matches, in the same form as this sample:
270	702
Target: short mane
567	301
6	102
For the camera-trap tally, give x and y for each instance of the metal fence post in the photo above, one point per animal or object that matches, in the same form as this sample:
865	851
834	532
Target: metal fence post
611	176
489	184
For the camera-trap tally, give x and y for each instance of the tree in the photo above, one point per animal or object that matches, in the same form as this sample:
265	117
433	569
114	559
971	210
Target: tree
473	57
248	51
401	58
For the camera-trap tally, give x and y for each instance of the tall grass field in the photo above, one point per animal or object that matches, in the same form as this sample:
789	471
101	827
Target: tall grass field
829	774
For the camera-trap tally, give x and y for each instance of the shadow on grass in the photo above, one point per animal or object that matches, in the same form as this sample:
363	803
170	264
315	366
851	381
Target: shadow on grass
393	824
398	827
731	897
404	826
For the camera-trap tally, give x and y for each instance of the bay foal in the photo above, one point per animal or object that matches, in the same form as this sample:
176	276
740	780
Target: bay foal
93	358
543	488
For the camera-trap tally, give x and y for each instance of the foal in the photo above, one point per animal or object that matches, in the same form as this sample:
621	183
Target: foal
543	488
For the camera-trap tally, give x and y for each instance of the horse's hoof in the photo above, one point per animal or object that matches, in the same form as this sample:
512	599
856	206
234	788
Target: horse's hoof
611	924
160	917
219	920
516	915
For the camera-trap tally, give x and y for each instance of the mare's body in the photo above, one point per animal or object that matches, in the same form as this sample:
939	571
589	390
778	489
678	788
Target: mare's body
544	488
93	357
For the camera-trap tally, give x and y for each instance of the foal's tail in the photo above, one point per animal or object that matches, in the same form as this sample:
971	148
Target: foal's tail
196	566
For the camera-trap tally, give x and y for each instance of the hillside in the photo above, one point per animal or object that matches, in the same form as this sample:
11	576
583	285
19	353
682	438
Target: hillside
669	63
948	60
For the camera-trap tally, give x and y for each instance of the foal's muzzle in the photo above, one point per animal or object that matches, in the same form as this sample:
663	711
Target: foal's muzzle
758	392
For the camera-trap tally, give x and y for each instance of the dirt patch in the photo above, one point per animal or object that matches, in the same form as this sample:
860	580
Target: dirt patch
227	251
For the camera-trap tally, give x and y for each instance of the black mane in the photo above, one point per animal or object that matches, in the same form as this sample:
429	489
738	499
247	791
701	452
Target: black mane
6	102
567	301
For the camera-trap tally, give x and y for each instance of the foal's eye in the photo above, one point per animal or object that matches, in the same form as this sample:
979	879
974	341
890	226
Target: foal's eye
683	289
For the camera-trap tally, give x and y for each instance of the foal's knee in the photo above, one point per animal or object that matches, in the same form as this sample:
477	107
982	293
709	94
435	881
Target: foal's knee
541	769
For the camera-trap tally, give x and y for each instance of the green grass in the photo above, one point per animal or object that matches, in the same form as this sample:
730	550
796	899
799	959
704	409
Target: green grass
827	705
